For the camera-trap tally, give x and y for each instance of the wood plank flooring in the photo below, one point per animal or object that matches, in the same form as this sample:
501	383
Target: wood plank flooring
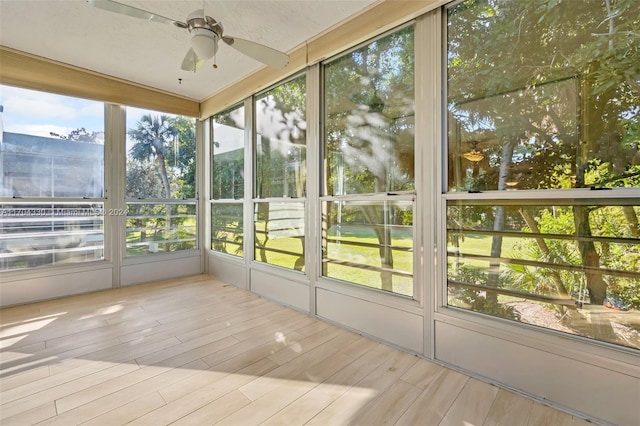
195	351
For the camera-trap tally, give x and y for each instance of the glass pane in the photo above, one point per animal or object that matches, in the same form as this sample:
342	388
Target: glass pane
281	153
543	95
369	118
227	176
51	145
369	244
161	155
160	227
279	234
227	229
38	234
574	269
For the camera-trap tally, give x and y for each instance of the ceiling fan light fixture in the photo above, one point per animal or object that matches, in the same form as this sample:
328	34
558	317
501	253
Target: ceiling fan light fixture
473	156
204	43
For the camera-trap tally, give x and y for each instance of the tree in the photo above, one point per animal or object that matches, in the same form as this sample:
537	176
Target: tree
369	131
548	92
81	135
281	156
153	138
182	157
169	144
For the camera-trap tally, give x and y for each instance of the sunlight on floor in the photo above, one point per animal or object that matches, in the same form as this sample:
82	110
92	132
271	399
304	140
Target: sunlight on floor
11	334
104	311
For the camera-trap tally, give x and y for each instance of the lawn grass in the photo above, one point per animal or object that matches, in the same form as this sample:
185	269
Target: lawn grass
368	256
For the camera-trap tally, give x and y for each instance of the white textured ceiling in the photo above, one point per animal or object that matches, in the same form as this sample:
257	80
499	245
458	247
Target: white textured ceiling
149	53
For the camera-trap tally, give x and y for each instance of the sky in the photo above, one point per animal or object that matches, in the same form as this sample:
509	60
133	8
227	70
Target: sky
39	113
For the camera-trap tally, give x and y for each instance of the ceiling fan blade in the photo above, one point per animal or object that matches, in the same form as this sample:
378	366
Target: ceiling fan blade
191	62
259	52
123	9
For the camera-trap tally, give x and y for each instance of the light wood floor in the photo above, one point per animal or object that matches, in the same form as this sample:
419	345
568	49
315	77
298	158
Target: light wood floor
196	351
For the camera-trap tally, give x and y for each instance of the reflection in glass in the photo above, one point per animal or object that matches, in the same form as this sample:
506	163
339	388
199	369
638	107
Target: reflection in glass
227	174
227	229
543	94
161	160
50	145
279	234
160	227
281	129
542	269
369	243
369	118
36	234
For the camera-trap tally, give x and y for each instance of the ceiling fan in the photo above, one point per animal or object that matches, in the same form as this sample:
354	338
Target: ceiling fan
205	33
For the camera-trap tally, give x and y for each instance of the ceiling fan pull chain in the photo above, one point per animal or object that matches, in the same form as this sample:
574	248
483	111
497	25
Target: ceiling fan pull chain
215	65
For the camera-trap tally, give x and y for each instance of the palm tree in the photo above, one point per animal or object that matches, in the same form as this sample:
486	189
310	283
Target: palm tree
153	136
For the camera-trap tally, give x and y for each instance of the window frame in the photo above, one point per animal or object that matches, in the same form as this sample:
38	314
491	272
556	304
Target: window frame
166	201
492	324
398	196
221	201
59	202
255	200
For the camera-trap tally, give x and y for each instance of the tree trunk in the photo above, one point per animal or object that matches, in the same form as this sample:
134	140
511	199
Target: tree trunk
386	257
632	220
544	248
265	191
167	190
592	131
596	285
493	279
383	234
162	166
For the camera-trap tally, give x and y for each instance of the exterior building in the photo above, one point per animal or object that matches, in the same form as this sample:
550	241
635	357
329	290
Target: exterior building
48	232
34	166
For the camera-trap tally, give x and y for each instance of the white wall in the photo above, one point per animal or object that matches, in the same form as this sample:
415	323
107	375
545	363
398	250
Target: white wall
157	268
602	389
23	288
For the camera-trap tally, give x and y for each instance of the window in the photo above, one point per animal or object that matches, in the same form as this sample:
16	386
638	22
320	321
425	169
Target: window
160	183
227	182
52	179
543	154
281	175
368	194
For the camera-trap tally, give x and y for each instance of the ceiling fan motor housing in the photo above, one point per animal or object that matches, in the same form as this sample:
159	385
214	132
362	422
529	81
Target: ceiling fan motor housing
205	33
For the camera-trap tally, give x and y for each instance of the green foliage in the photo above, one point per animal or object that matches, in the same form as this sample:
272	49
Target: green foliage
281	148
183	159
476	299
548	93
160	227
370	117
227	228
617	255
227	178
143	181
166	146
518	71
82	135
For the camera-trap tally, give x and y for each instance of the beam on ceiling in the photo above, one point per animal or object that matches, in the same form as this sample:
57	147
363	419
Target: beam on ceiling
32	72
